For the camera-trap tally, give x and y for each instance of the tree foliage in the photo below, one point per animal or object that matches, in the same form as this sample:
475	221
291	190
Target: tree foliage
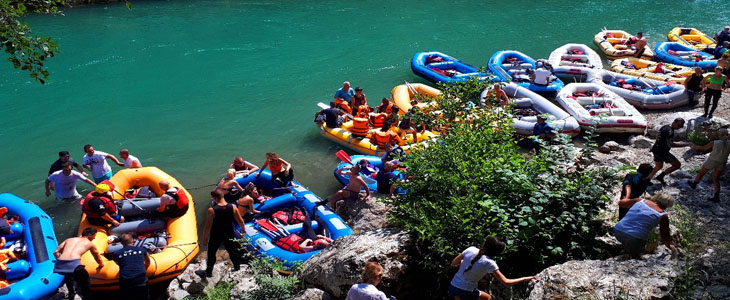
476	182
27	51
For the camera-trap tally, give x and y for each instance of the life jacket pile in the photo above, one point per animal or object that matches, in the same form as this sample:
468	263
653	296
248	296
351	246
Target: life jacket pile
378	120
290	243
289	216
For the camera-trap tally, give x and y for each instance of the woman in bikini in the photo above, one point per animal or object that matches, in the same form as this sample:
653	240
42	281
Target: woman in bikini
713	90
352	190
229	187
281	171
245	204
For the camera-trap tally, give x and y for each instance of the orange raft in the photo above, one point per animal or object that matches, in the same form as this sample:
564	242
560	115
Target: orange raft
182	232
404	94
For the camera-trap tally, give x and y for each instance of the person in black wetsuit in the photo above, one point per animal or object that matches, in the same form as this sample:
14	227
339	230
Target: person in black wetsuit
219	229
693	86
634	186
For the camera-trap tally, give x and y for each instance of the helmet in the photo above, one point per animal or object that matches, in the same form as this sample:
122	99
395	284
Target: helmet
102	188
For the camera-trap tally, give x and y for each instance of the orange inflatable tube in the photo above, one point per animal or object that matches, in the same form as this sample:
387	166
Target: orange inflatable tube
402	96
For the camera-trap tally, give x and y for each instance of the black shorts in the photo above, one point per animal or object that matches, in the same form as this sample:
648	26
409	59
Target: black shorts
640	52
664	156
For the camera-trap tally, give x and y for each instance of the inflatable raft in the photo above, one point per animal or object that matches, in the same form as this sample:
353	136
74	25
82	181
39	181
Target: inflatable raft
591	103
574	59
368	176
691	37
514	66
682	55
528	105
326	222
651	69
613	44
403	95
31	276
440	68
642	92
181	233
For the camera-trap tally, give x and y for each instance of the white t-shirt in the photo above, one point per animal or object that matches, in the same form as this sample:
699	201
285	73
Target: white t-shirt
720	151
99	166
130	159
483	266
541	76
66	185
365	291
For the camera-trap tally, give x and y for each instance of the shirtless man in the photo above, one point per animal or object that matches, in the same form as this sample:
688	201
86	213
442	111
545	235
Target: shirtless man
640	44
498	93
352	189
68	263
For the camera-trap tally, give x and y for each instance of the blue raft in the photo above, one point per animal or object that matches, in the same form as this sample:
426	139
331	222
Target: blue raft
440	68
678	54
510	65
372	183
40	241
333	226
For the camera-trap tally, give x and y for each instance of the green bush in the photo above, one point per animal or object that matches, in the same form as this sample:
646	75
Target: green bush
476	182
272	285
698	138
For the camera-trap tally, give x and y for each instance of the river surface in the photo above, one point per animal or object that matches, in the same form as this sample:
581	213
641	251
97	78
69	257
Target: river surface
188	85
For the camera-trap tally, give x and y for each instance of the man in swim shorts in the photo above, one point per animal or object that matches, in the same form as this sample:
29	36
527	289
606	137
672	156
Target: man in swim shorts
640	44
352	190
68	262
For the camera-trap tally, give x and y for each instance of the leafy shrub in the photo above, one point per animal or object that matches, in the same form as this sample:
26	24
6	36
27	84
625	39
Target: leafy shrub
272	285
220	292
698	138
476	183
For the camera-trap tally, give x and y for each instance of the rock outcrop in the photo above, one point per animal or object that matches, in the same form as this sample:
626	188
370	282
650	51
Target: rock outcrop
693	120
190	283
363	215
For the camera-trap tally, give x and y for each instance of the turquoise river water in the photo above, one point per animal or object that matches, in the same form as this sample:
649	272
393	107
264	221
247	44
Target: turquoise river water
187	85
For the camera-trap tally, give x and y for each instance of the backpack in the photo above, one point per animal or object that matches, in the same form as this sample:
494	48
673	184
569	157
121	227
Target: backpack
320	117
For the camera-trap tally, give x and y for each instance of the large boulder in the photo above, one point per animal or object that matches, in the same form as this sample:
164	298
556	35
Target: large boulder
338	267
650	277
363	215
693	120
641	142
191	284
312	294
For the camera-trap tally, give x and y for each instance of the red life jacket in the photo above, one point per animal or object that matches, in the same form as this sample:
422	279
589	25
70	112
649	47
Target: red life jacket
181	199
294	216
109	205
290	243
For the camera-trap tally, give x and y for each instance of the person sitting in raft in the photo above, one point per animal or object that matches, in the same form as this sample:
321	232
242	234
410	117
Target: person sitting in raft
343	97
251	191
405	126
693	87
384	137
497	93
360	125
716	162
281	171
392	154
174	202
229	187
100	208
385	106
474	263
541	75
643	216
359	99
386	179
242	166
542	130
634	185
245	204
333	116
352	190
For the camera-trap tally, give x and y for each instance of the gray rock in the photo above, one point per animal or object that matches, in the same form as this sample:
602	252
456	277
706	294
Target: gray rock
312	294
648	278
364	215
612	145
604	149
641	142
339	266
692	120
190	284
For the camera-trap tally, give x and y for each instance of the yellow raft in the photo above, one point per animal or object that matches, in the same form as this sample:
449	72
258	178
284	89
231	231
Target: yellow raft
647	68
165	265
612	43
344	137
402	96
691	37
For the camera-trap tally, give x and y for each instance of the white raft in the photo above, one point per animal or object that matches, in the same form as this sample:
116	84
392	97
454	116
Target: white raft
642	92
574	59
591	103
524	98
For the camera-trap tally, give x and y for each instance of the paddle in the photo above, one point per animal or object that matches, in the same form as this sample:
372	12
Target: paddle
410	88
130	201
342	155
178	245
325	106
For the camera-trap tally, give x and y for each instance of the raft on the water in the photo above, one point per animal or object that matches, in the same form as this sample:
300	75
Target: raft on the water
181	233
31	276
651	69
593	104
682	55
369	176
613	43
528	105
405	94
642	92
438	67
325	221
574	59
515	66
691	37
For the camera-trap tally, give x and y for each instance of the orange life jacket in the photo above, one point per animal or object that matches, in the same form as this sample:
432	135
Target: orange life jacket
343	105
360	126
381	138
363	109
387	109
378	120
109	206
290	243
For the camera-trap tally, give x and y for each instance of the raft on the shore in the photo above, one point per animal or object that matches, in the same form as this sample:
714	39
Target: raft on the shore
31	277
325	221
369	176
642	92
613	44
648	69
593	104
181	233
691	37
514	66
682	55
438	67
574	59
529	105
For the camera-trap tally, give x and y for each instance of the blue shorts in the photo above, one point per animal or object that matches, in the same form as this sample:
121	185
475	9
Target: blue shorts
463	294
102	178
